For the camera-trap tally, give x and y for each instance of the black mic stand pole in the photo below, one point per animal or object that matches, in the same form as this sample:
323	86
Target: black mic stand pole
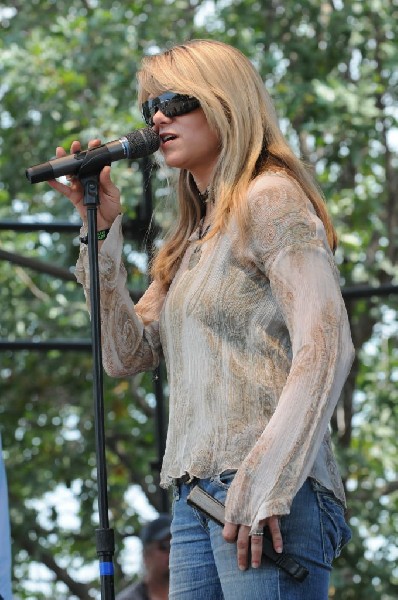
146	213
105	543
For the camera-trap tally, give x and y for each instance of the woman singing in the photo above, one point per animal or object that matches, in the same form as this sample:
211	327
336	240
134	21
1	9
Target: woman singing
245	307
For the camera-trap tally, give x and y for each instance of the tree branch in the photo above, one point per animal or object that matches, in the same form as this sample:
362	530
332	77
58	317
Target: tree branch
81	590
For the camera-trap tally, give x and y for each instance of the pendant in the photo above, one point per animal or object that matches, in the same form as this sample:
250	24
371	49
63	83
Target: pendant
195	257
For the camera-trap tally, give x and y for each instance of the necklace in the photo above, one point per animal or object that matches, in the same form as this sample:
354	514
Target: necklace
197	251
203	196
202	233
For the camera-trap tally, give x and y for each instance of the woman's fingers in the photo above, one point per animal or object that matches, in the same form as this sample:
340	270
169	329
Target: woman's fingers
256	547
240	534
230	532
58	186
59	152
109	206
94	143
242	546
75	147
250	547
106	181
274	527
73	190
109	189
66	190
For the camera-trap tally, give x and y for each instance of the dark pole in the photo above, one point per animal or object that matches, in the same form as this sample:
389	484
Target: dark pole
146	211
160	434
105	543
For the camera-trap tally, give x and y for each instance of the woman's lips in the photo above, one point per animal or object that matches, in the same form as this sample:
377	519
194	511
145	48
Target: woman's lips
167	138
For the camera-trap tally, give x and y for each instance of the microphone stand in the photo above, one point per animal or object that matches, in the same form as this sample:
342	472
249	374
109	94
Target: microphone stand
105	543
136	144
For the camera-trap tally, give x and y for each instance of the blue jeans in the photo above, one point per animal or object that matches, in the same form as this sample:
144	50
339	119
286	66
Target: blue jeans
204	567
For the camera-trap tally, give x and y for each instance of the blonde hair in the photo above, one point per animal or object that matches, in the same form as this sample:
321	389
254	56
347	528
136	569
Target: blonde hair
240	110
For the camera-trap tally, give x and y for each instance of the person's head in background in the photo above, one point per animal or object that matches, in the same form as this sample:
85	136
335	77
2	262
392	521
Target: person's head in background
155	538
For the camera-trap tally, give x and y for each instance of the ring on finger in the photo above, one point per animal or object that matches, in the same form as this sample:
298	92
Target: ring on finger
260	533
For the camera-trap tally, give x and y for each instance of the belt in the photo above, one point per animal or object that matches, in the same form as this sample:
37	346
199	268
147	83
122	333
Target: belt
187	478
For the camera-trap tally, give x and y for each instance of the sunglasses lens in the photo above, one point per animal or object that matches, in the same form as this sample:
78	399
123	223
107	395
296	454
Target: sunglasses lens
151	106
170	104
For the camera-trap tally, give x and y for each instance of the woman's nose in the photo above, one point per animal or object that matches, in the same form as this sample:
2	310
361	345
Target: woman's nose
159	118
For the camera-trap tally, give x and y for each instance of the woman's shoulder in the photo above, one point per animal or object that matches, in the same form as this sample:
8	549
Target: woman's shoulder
276	193
275	182
280	214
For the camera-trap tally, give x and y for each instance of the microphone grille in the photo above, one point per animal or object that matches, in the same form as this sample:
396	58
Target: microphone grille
142	142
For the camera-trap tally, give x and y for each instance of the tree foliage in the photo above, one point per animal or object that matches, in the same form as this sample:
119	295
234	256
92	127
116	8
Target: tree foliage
67	72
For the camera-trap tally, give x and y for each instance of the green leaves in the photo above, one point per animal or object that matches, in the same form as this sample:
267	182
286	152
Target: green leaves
68	72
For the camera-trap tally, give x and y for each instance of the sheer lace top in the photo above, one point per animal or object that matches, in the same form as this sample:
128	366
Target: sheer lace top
257	346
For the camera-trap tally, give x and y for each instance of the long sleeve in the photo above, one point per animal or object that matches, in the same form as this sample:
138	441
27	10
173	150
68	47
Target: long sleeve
130	334
288	244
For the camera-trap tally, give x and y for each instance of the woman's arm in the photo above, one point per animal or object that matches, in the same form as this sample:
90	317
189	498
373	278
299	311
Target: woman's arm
288	244
130	334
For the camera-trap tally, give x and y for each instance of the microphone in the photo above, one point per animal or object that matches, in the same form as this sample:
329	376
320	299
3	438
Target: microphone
137	144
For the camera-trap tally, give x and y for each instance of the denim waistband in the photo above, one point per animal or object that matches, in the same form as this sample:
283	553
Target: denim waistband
188	479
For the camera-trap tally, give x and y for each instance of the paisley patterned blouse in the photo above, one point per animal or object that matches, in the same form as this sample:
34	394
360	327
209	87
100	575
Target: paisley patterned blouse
257	346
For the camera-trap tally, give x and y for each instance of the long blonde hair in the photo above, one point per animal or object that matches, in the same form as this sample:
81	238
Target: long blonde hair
238	107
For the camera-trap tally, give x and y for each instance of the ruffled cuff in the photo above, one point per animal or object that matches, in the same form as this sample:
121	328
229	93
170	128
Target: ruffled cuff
109	255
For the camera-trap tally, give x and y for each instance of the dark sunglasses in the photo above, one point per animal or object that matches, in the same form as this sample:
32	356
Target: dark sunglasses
170	104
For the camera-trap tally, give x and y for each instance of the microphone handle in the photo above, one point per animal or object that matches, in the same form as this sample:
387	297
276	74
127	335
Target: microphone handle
87	161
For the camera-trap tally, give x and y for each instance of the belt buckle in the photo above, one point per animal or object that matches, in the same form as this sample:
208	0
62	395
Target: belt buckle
187	478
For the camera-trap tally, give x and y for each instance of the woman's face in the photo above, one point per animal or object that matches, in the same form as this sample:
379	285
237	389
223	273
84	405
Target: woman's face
188	142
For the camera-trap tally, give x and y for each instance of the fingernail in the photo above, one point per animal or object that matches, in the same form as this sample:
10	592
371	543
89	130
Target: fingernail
278	549
255	565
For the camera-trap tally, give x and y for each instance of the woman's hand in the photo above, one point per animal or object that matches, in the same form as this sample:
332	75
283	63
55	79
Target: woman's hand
109	195
244	541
